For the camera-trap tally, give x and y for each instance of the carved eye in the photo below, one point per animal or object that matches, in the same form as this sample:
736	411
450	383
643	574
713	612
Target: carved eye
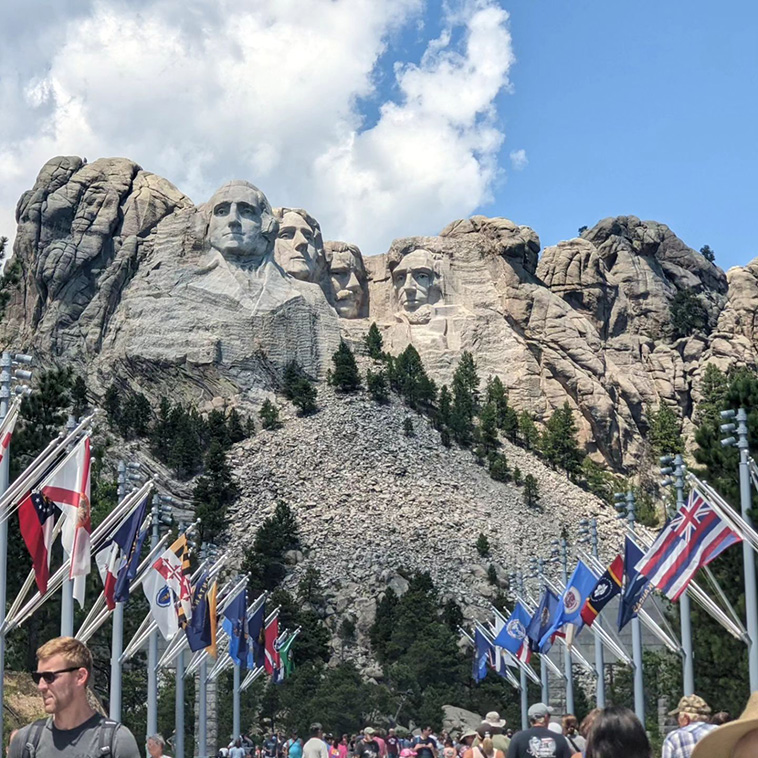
422	278
247	211
287	233
221	210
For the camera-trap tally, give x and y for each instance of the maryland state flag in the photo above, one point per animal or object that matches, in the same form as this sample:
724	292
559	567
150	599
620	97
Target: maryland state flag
607	587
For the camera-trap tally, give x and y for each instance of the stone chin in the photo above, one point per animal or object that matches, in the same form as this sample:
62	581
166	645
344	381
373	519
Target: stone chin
347	304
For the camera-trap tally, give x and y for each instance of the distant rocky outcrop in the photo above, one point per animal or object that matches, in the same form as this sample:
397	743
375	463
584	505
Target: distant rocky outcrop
126	276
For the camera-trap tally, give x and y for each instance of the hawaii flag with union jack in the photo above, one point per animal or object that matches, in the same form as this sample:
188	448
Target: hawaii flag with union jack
694	536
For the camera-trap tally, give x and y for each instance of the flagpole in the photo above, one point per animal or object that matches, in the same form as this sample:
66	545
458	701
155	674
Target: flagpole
67	591
628	502
236	709
522	678
5	393
179	707
202	710
567	665
543	663
685	609
588	532
748	557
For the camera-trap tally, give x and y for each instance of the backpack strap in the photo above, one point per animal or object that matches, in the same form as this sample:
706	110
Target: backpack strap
33	737
108	729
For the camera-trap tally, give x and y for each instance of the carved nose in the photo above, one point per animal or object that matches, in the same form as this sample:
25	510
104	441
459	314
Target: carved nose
353	283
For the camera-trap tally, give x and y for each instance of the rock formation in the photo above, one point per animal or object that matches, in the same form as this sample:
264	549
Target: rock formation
122	273
122	270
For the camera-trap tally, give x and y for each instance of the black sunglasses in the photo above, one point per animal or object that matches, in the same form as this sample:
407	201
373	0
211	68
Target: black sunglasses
51	676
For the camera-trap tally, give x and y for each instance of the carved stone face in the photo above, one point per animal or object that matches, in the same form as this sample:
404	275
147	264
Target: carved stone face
296	250
348	280
240	223
414	280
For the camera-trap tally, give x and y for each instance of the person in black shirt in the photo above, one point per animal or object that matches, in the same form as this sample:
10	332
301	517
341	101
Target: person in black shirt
368	747
538	741
425	745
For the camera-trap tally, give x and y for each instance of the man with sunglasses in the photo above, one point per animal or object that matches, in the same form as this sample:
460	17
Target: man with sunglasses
73	729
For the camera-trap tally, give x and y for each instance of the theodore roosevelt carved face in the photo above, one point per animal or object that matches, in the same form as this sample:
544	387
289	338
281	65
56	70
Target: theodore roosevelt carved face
347	278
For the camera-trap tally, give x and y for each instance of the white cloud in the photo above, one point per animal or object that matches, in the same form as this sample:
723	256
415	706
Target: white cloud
519	161
202	92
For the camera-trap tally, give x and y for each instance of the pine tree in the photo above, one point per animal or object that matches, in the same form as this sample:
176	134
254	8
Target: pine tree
465	400
444	409
517	478
664	433
409	379
483	545
707	253
376	383
408	427
714	390
345	377
235	427
304	396
528	432
531	491
112	406
497	395
374	342
487	431
214	492
510	425
688	314
269	415
290	379
79	402
559	444
499	470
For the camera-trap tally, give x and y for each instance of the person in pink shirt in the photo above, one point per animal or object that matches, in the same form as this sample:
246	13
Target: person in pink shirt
382	746
342	747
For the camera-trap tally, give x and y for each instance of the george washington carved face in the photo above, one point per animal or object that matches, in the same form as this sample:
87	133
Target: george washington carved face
241	226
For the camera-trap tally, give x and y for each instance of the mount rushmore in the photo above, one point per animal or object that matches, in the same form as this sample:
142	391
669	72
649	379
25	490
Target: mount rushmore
123	273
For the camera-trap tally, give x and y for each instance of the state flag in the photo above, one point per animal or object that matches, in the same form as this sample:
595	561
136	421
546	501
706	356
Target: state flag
271	634
36	519
569	610
637	587
511	637
483	651
199	630
607	587
235	625
69	488
119	555
694	536
542	621
257	652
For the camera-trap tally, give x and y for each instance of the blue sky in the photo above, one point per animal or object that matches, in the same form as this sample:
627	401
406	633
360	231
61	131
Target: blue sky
391	118
641	108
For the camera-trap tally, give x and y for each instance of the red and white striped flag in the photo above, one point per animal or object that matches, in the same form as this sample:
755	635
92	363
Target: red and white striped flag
7	427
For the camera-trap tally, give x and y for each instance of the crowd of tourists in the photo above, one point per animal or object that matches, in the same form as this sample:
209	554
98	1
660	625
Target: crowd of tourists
604	733
73	729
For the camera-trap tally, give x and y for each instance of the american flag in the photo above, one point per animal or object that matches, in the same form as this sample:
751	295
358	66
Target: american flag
693	537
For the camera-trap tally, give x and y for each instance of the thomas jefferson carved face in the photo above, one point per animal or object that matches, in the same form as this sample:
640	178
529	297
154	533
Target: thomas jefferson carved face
348	280
414	280
298	246
241	223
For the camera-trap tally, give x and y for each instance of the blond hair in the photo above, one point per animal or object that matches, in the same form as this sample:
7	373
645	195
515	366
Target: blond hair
74	652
